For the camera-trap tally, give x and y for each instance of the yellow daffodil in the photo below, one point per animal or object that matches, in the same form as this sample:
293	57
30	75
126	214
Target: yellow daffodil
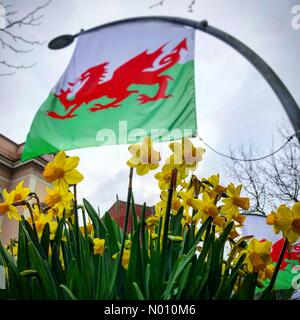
125	258
213	188
185	156
233	232
35	213
54	212
144	157
161	206
40	222
152	220
127	244
14	249
287	221
187	219
62	172
21	193
7	206
233	202
239	219
164	177
257	255
154	235
189	199
41	219
207	208
59	199
99	245
89	227
53	227
267	273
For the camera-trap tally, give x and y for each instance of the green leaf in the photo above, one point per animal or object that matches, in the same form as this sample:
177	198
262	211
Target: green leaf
113	236
22	259
55	261
180	264
175	224
183	281
135	271
138	291
67	293
147	281
9	260
99	229
134	215
28	273
226	286
37	292
44	272
247	289
31	236
45	240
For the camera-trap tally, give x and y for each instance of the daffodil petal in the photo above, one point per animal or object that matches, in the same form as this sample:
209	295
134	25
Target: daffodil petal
73	177
60	159
71	163
142	169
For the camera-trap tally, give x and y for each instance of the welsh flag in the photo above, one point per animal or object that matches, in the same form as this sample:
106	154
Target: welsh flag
123	82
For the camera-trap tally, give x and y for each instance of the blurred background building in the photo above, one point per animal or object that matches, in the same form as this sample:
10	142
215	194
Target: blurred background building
12	171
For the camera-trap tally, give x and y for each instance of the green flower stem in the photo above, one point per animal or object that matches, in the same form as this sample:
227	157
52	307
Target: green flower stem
168	211
76	219
118	211
193	225
129	194
272	282
84	222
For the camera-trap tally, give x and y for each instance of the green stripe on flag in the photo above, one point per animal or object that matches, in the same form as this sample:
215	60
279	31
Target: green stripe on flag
49	135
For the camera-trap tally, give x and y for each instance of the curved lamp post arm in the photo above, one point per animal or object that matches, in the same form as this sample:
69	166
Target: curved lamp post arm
286	99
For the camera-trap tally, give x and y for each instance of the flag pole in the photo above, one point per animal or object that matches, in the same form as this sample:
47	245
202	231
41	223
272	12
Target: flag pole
286	99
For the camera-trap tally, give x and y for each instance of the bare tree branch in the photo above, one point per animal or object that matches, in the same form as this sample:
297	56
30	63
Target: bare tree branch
249	175
156	4
21	39
29	18
12	48
7	74
162	2
270	182
191	6
16	66
12	41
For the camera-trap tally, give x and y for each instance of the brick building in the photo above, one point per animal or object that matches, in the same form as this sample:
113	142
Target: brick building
12	171
118	210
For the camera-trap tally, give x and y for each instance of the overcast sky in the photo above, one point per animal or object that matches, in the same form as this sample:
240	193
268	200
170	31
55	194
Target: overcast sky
235	106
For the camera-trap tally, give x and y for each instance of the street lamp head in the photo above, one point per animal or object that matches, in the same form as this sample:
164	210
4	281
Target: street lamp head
61	42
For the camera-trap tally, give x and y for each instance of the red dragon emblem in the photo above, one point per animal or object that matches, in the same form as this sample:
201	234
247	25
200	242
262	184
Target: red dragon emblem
131	72
293	254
